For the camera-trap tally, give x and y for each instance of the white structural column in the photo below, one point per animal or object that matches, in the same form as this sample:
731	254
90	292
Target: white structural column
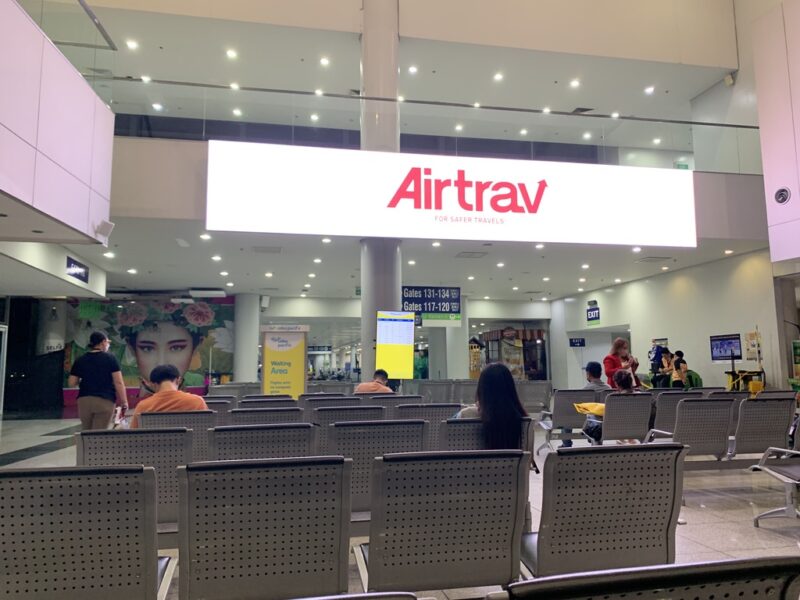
380	258
246	325
437	353
458	346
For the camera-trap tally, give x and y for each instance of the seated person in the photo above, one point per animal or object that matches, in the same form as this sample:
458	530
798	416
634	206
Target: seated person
679	370
594	371
167	396
593	427
376	386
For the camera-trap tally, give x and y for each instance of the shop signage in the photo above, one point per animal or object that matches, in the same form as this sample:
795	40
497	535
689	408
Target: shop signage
434	306
78	270
577	342
269	188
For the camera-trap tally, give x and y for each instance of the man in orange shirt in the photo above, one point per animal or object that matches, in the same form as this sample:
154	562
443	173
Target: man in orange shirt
167	397
377	385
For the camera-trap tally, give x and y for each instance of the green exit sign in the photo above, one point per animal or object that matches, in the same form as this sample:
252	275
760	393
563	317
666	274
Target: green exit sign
358	291
680	165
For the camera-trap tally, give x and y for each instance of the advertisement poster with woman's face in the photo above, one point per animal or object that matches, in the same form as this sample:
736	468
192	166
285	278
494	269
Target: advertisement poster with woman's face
196	338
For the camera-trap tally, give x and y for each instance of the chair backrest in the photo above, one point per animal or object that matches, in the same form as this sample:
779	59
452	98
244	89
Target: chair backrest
467	434
79	533
283	440
738	397
163	449
302	397
563	409
764	394
265	416
221	409
601	395
464	391
232	399
364	440
390	402
265	396
286	402
343	387
326	416
375	596
433	413
702	424
435	392
268	529
775	578
609	507
430	510
627	416
199	421
763	423
311	402
706	390
667	406
534	395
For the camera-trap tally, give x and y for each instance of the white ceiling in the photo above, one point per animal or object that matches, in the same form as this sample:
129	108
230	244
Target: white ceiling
22	222
192	50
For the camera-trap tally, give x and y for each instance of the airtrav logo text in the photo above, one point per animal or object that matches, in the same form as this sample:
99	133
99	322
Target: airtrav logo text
428	193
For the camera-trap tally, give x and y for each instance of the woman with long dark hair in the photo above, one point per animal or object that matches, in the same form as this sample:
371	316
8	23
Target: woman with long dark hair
497	405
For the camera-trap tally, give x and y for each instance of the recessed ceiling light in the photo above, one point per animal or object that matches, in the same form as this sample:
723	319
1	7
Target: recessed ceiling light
587	135
158	106
412	262
401	99
413	69
205	236
231	53
216	258
728	251
307	285
459	127
649	90
318	92
498	76
132	271
326	240
268	274
656	141
314	117
681	158
312	275
109	254
539	246
546	110
303	295
474	326
234	86
146	79
317	260
618	280
471	278
545	279
132	44
636	249
523	132
584	266
486	298
477	105
582	280
237	112
119	305
575	83
324	61
501	265
569	299
580	289
544	298
436	244
223	273
229	284
665	268
515	288
615	115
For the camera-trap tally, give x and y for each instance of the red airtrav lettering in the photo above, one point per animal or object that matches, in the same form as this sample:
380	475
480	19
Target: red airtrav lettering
501	196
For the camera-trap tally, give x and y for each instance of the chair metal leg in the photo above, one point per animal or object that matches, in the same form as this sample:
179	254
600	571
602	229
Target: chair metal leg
362	566
788	511
546	443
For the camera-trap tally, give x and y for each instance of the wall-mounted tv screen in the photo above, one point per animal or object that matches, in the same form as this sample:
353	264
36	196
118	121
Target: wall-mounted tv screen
723	345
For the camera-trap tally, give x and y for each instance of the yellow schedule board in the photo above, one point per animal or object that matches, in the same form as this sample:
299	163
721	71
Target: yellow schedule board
284	363
394	351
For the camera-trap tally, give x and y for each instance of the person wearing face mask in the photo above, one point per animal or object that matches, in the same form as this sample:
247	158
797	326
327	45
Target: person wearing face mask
619	358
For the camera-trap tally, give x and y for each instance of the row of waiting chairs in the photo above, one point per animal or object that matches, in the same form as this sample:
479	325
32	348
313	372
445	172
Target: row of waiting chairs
281	528
166	449
311	401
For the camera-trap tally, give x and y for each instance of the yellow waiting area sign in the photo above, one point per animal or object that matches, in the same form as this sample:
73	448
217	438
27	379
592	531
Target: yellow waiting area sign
284	360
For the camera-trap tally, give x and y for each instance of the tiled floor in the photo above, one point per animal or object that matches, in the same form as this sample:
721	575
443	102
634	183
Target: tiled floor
719	509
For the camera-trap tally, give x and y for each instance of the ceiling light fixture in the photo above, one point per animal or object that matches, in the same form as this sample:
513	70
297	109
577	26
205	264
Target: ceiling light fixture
546	110
498	76
216	258
307	285
501	265
544	298
229	284
132	271
459	127
436	244
665	268
234	86
545	279
477	105
587	135
471	278
231	54
109	254
401	99
146	79
649	90
413	69
728	251
515	288
132	44
486	298
237	112
317	260
157	106
618	280
314	117
205	237
615	115
584	266
326	240
223	273
318	92
575	83
539	246
303	295
582	280
656	141
324	61
412	262
312	275
268	274
636	249
580	289
523	132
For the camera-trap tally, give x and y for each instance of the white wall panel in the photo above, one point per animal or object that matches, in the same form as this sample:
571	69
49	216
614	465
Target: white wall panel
61	195
17	165
102	149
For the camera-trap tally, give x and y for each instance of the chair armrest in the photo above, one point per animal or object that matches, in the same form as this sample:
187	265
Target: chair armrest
546	413
651	435
496	596
546	425
773	453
